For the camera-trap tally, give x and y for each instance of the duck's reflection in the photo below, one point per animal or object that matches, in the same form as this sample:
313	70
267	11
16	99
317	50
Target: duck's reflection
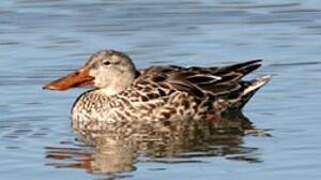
110	153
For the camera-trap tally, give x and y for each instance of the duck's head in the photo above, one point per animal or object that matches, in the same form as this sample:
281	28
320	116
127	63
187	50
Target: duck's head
109	70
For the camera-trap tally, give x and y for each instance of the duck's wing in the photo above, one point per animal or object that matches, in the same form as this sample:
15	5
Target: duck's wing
224	82
219	80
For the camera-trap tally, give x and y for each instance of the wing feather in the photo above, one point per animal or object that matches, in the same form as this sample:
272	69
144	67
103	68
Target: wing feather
219	81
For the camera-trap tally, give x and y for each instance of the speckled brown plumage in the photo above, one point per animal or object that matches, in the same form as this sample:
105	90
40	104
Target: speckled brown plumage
162	95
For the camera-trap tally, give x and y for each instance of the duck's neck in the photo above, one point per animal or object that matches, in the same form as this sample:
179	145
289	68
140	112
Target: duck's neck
110	91
116	87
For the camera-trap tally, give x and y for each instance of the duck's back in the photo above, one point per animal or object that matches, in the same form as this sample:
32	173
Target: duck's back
213	85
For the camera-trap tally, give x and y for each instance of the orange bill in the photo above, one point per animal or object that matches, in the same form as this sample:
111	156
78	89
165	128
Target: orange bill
76	79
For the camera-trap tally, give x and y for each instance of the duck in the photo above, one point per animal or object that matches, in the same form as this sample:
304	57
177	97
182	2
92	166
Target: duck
124	99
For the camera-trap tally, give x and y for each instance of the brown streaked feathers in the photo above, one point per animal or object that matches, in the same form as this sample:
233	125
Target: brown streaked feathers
127	100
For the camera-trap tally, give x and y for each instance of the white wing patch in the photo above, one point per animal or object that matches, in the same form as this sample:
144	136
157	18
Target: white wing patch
259	82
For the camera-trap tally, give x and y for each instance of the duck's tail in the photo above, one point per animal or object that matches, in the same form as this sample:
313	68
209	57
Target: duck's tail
250	88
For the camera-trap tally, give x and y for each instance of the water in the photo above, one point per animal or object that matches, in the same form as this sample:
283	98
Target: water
41	40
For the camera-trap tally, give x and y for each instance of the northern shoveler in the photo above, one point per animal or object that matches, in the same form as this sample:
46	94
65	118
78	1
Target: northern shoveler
157	96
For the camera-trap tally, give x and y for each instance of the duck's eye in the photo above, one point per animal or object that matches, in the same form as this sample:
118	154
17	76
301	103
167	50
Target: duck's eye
106	63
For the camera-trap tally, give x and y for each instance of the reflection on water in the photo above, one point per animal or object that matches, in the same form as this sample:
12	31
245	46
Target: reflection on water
116	153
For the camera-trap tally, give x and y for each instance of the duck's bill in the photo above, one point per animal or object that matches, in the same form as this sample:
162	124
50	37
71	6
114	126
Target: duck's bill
79	78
